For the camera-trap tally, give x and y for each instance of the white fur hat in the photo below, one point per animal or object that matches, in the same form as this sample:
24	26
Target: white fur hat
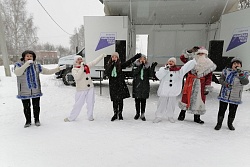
172	59
115	54
142	55
76	57
202	50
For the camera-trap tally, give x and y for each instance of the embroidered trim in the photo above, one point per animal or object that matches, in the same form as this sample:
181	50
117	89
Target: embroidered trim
229	101
31	77
28	97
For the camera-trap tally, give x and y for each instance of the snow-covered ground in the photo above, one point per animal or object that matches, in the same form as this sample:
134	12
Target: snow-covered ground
102	143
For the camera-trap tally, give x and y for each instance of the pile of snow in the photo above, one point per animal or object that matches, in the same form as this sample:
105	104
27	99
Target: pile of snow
120	143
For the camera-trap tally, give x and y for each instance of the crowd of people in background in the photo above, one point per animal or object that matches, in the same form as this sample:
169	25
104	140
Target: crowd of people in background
196	74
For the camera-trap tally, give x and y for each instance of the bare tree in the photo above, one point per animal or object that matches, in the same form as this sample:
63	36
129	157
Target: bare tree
243	4
19	26
77	40
62	51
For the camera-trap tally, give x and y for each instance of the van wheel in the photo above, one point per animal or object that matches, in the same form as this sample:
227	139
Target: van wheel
68	78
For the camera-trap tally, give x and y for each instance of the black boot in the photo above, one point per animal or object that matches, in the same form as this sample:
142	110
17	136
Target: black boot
230	123
136	116
27	114
137	107
182	115
114	116
197	119
36	116
143	107
219	123
143	117
120	115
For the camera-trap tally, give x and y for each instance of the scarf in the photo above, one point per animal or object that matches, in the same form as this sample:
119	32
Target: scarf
142	72
85	68
114	73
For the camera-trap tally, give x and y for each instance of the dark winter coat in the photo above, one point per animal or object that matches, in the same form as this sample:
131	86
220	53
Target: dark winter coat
232	94
141	86
117	87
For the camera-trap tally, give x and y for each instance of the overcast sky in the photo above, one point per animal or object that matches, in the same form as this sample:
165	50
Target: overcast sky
67	13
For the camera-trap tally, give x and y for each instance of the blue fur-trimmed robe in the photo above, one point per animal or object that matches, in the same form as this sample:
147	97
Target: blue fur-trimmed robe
28	83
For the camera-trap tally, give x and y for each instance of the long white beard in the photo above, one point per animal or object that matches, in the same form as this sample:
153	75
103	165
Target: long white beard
203	64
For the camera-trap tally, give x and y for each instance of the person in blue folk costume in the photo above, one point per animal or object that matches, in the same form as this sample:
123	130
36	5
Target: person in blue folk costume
232	80
28	84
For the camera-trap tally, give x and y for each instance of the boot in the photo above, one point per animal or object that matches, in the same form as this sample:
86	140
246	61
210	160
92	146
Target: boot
219	123
171	119
36	116
143	117
137	107
143	107
37	122
27	124
27	114
120	115
230	123
157	120
114	116
197	119
182	115
136	116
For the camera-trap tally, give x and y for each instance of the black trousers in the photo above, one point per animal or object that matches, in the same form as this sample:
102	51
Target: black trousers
140	105
27	108
223	108
118	105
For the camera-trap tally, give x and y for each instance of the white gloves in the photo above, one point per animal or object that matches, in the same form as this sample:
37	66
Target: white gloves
167	67
62	67
82	63
103	55
29	61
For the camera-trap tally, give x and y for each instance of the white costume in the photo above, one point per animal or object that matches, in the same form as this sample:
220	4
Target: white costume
170	87
84	90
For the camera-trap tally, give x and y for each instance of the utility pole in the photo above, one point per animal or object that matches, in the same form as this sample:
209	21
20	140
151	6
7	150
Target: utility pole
4	49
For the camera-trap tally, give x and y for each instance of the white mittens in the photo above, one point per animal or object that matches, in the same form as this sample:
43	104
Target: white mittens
103	55
167	67
62	67
29	61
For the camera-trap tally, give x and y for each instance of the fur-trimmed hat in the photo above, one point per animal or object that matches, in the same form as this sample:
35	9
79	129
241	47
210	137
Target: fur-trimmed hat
142	55
115	54
202	50
172	59
28	52
236	59
76	57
